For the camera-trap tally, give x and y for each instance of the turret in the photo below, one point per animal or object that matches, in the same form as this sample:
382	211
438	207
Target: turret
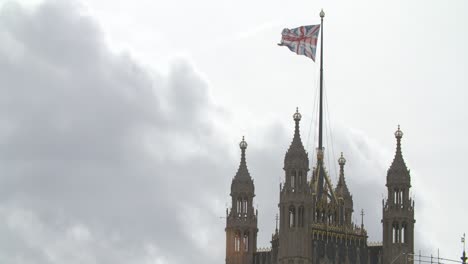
241	223
296	160
398	211
295	202
345	198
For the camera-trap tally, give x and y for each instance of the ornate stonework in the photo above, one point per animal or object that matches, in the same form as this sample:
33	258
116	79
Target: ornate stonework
315	219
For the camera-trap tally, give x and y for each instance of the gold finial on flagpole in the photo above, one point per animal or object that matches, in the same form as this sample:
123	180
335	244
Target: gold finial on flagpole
322	14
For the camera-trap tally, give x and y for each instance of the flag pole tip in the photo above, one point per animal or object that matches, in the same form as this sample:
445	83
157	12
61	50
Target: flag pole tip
322	14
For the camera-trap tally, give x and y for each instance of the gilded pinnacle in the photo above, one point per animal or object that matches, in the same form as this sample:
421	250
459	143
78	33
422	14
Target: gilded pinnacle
398	133
297	116
342	160
243	144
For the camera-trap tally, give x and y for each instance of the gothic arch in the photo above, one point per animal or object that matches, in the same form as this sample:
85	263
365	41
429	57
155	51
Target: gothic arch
237	241
292	216
245	241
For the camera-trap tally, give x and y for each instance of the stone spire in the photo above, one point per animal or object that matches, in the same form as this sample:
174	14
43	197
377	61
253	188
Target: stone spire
341	187
241	221
296	154
242	180
398	211
398	170
295	203
343	194
243	172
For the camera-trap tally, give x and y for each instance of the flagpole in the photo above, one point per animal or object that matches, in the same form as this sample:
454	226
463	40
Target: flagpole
320	147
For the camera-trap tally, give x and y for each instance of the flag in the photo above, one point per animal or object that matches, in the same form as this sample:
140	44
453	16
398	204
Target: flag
302	40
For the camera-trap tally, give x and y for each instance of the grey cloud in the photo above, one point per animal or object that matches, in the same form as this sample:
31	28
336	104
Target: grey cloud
88	150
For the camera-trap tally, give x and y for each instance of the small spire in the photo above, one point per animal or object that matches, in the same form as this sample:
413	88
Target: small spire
243	144
398	167
296	149
341	189
341	160
398	136
362	220
243	172
398	133
297	116
463	257
276	230
243	147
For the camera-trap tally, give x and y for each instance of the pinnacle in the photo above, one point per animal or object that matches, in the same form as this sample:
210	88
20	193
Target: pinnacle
242	181
341	188
296	150
398	168
243	172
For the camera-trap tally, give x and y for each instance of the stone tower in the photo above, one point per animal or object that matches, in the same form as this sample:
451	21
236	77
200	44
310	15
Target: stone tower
398	211
345	199
295	204
241	220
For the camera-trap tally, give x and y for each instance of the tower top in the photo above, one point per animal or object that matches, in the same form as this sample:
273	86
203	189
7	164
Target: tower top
296	154
398	172
297	116
341	189
341	160
243	173
243	144
398	133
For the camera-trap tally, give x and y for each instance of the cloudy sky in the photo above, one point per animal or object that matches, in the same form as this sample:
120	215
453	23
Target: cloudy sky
119	120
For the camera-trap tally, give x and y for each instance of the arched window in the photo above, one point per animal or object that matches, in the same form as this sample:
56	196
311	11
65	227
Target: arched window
292	216
293	180
300	180
300	218
401	199
237	241
239	206
395	199
403	233
396	233
244	206
245	241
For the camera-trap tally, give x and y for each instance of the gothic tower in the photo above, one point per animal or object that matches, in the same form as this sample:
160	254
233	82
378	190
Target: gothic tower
345	199
295	204
398	211
241	220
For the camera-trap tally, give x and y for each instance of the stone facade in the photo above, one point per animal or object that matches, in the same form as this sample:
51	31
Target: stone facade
315	219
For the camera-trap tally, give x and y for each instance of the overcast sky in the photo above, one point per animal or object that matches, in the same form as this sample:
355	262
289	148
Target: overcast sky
120	120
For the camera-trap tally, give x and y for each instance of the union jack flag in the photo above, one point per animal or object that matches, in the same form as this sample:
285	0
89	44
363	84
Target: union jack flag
302	40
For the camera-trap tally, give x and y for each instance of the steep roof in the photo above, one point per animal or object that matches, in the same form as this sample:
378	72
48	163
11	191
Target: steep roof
242	181
296	156
398	172
341	189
